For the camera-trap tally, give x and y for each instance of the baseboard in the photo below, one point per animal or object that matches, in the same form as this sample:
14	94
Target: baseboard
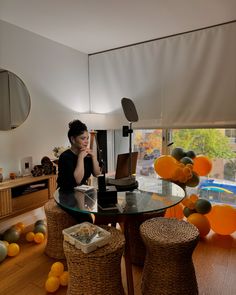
27	218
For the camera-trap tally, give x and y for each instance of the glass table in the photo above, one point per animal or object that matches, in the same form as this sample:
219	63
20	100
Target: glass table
159	197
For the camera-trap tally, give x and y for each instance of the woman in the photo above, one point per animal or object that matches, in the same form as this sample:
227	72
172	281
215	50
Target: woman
76	164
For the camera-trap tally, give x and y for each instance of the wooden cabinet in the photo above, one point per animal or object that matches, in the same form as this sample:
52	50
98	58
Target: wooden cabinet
24	194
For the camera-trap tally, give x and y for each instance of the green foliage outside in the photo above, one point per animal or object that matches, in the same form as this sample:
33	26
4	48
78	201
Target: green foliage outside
209	142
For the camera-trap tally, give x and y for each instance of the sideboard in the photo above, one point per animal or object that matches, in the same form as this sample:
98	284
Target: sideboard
24	194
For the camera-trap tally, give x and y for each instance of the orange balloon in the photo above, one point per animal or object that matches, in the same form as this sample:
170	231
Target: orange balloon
187	202
201	222
165	166
202	165
222	219
175	212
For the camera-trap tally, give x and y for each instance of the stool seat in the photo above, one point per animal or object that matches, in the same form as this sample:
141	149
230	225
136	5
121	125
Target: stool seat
57	220
97	272
168	267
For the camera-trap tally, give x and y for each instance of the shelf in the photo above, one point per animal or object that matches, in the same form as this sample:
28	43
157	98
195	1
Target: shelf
25	194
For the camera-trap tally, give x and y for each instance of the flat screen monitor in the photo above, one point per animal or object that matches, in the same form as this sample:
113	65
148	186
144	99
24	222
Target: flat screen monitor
122	165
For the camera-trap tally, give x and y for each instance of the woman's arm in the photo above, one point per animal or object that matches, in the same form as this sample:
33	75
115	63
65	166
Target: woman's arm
96	167
79	169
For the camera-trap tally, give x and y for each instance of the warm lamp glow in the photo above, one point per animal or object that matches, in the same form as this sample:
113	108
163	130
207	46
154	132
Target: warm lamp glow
100	121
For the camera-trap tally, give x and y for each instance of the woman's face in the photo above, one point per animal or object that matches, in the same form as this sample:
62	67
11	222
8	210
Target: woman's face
81	141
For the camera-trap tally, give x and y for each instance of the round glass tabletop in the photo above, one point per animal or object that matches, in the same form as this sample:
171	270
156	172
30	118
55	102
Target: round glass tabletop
162	195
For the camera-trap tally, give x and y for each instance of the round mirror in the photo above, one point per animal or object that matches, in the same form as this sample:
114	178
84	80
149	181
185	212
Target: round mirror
14	101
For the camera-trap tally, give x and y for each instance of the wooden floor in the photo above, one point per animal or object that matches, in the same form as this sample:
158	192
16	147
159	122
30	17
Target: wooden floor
214	259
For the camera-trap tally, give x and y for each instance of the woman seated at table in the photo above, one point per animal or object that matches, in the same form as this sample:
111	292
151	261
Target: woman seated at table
78	163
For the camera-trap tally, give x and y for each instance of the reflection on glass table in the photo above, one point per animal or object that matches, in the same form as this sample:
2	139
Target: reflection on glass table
165	195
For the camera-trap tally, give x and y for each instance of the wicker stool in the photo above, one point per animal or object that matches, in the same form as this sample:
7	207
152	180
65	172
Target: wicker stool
57	220
138	249
168	268
98	272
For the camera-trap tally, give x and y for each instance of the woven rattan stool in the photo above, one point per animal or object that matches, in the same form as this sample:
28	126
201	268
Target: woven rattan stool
168	267
138	249
98	272
57	220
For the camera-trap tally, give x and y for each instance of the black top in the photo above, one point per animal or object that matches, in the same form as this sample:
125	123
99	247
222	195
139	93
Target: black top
66	167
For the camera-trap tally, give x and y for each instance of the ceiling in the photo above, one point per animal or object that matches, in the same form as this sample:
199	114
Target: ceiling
95	25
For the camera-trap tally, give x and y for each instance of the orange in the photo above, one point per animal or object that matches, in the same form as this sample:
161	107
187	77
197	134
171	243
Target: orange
52	284
57	268
39	238
29	236
64	278
201	222
13	249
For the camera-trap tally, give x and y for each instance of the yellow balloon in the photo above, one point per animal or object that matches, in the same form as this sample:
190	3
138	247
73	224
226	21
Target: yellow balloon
165	166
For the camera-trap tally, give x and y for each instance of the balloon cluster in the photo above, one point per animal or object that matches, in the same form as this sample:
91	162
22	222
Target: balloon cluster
38	233
8	245
220	218
195	211
56	277
183	167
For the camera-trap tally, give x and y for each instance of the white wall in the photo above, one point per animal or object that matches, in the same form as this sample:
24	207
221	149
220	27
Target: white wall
57	79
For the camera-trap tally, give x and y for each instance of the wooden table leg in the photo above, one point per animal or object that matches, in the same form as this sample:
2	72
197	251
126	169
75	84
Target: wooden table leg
128	264
124	221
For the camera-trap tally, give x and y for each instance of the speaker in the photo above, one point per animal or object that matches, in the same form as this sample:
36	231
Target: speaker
101	183
102	146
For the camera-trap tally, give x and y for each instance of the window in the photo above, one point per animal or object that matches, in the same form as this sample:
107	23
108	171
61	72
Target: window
218	144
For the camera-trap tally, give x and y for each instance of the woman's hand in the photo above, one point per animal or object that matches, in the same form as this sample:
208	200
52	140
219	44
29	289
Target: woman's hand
84	152
91	153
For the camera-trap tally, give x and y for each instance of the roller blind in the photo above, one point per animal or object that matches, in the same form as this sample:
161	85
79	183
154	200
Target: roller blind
188	80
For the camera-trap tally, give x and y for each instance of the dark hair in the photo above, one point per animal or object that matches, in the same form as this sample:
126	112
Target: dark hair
76	127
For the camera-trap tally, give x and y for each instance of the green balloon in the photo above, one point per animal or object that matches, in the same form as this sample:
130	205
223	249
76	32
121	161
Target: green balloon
3	251
11	235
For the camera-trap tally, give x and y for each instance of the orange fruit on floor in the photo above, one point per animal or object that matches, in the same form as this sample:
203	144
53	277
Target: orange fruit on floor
39	238
201	222
13	249
30	236
64	278
52	284
57	268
